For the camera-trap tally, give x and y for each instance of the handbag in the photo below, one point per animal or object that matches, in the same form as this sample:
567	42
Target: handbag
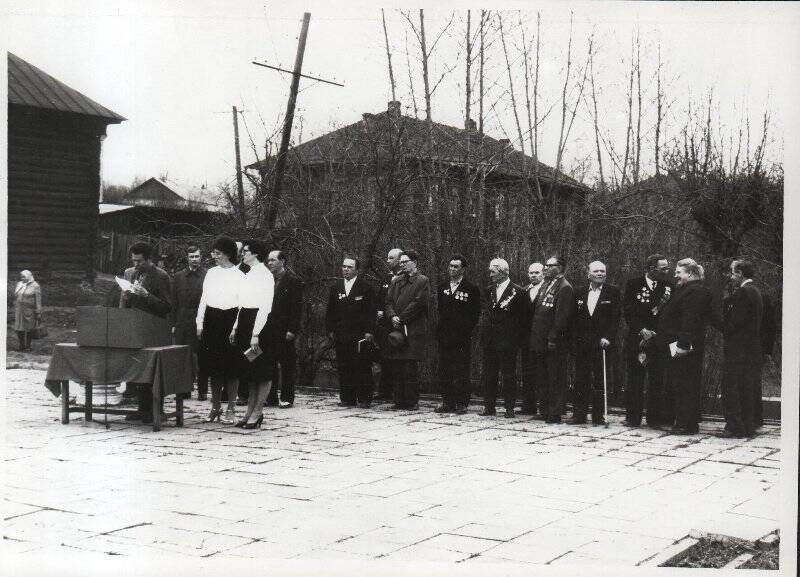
39	331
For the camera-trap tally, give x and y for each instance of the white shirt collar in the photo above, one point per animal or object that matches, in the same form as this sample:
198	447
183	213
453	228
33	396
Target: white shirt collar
348	285
597	290
745	281
650	282
502	287
454	284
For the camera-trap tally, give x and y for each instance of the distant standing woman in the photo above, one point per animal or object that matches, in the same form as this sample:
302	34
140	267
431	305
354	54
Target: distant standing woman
27	308
216	314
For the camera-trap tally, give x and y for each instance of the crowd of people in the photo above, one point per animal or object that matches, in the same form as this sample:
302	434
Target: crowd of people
242	316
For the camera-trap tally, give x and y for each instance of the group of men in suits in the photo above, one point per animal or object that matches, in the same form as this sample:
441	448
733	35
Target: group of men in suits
666	312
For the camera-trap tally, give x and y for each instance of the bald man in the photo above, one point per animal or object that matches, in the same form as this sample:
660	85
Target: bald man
597	312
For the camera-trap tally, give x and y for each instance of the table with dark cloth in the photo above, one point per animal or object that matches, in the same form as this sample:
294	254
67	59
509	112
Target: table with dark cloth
168	369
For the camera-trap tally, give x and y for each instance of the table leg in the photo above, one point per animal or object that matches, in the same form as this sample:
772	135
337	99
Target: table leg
156	412
87	406
65	402
179	410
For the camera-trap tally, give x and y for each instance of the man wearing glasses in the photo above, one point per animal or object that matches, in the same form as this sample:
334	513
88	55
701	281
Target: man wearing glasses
407	309
550	336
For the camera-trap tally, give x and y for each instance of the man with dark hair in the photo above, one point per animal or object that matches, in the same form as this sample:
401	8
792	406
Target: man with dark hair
407	309
644	300
384	327
680	337
187	288
550	336
503	333
459	308
349	322
743	310
597	311
287	308
151	293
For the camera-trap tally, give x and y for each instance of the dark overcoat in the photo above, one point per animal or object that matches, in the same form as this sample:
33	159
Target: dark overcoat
603	324
552	316
408	298
459	312
506	319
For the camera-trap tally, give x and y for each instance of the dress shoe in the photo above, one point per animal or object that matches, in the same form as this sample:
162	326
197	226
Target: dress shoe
364	405
509	414
576	421
488	413
628	423
137	416
676	430
527	411
285	405
229	417
343	404
257	424
202	397
214	415
597	422
553	420
414	407
728	434
443	409
460	410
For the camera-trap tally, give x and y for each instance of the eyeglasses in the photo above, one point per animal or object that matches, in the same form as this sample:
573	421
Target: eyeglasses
244	250
404	261
550	264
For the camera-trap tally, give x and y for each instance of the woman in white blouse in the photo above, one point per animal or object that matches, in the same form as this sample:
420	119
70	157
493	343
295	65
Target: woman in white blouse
256	359
216	315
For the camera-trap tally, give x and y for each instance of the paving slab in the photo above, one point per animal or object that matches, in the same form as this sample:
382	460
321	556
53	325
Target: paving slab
372	485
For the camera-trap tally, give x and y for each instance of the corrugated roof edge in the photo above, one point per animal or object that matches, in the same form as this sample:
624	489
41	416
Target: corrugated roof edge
31	86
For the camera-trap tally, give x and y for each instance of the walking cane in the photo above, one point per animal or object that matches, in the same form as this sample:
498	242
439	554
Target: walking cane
605	391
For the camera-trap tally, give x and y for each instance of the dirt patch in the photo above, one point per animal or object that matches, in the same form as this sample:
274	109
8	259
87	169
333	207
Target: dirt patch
716	552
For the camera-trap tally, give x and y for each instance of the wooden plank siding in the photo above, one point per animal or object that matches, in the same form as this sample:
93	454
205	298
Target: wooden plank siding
53	191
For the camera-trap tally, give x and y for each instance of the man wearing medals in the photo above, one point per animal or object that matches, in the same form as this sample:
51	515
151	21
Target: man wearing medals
550	336
459	309
644	299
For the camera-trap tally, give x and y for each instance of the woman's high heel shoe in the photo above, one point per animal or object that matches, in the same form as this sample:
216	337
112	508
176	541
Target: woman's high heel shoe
213	415
257	424
241	423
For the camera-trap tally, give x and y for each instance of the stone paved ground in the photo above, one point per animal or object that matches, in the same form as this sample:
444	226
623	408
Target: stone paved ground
322	482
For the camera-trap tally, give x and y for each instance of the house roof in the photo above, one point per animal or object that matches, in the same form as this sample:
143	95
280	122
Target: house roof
107	207
357	142
30	86
179	194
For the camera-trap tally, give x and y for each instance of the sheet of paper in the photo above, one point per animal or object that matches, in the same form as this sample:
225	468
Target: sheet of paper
123	284
673	347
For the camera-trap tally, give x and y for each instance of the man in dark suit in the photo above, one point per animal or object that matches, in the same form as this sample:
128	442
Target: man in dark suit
459	303
769	330
503	333
287	307
350	324
384	326
597	311
644	300
743	310
151	293
550	336
680	337
187	288
532	366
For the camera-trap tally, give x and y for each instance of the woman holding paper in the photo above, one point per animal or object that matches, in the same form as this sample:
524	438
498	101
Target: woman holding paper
256	360
216	314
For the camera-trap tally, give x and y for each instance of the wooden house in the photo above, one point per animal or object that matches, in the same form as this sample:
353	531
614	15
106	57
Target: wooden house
55	134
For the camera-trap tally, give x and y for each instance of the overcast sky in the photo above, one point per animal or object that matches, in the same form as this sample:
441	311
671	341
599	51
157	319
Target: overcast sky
174	69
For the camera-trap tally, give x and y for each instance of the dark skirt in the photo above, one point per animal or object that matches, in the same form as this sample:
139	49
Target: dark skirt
216	355
262	368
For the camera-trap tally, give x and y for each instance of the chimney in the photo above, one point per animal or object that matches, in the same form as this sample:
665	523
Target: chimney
393	109
470	125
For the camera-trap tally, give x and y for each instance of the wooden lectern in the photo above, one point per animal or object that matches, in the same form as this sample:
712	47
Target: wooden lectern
121	328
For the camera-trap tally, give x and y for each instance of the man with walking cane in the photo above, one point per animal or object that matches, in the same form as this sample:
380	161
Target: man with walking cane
597	312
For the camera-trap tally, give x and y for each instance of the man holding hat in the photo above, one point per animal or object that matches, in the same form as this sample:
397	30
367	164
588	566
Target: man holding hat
407	309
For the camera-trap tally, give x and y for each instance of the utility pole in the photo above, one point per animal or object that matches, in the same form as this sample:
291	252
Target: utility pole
280	164
239	181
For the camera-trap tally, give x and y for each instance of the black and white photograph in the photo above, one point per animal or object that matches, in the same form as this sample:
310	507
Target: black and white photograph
389	288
